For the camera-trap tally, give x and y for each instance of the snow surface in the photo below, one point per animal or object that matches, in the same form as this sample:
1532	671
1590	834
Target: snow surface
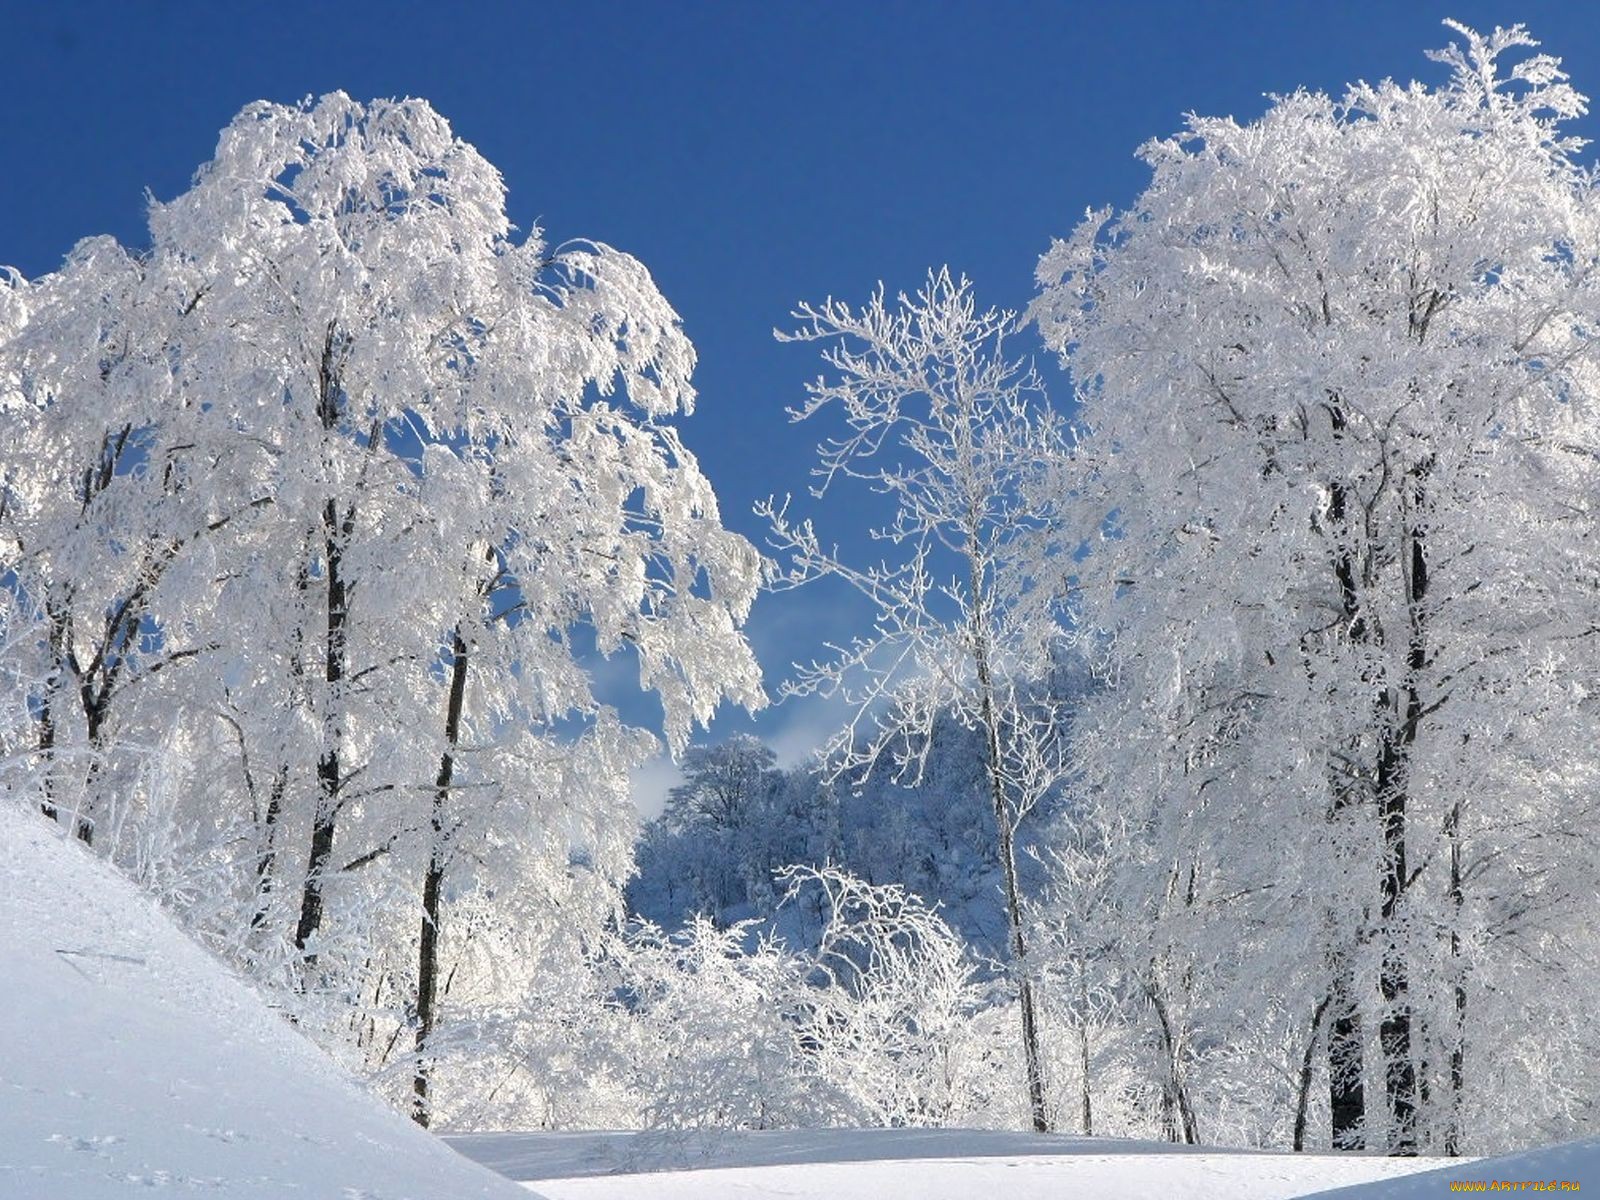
944	1164
1575	1162
132	1062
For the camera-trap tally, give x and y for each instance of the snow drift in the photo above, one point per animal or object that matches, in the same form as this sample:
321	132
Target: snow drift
131	1060
1547	1170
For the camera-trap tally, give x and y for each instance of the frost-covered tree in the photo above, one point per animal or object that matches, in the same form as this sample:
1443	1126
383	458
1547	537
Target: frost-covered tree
1337	368
957	435
898	1018
377	472
714	1039
412	368
886	1020
106	494
722	818
723	785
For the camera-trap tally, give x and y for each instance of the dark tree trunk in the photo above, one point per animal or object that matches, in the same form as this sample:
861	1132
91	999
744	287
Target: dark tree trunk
1307	1071
322	831
1347	1093
1454	1131
1083	1051
47	710
1347	1099
266	865
1396	1036
1177	1110
330	774
428	953
1394	1031
47	750
1005	831
94	711
1032	1059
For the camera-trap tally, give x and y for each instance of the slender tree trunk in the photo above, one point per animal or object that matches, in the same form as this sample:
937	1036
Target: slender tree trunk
1394	1030
47	709
1025	995
47	750
1454	1131
428	953
330	772
266	864
1083	1054
1175	1101
88	811
1396	1037
1004	827
330	776
1422	1045
1347	1101
1347	1093
1307	1071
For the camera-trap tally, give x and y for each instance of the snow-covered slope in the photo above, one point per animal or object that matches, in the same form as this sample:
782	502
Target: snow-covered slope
1539	1172
931	1164
131	1062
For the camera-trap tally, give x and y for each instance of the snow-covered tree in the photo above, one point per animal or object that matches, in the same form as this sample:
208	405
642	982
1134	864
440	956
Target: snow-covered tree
898	1018
723	785
723	820
377	472
887	1020
959	438
102	504
1337	368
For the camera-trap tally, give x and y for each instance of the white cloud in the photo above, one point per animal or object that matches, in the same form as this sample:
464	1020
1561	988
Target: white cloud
650	782
798	728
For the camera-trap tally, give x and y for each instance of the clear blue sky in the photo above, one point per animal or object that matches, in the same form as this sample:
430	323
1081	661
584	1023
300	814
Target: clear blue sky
752	154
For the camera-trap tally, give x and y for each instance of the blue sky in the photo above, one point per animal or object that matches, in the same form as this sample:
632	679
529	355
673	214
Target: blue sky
751	154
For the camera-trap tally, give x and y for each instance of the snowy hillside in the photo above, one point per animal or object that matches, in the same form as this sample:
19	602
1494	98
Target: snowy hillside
1543	1170
130	1061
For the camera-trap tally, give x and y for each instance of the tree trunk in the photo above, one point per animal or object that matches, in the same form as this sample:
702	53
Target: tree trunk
266	864
87	812
1395	1035
1005	830
1030	1022
322	831
1394	1031
1347	1099
1083	1054
1307	1070
428	952
1454	1131
47	749
1006	846
1347	1093
1174	1095
330	776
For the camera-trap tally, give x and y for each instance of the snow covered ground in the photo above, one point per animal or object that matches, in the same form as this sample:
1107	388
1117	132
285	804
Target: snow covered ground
1540	1172
132	1063
953	1164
